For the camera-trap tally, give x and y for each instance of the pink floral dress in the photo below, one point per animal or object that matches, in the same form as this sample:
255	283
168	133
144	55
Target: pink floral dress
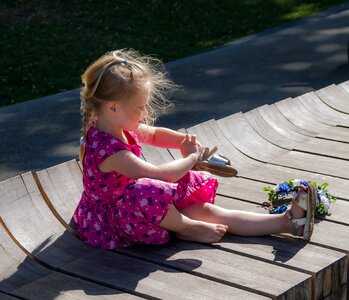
117	211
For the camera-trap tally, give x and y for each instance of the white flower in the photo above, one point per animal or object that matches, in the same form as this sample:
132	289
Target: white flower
94	145
102	152
277	188
296	182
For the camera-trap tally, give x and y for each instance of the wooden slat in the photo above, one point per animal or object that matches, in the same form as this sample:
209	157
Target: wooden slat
300	116
162	155
345	86
336	97
211	260
60	249
281	124
7	297
64	184
22	277
335	134
247	140
251	141
323	111
311	145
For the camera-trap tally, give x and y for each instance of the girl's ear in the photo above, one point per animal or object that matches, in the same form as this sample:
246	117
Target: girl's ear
112	107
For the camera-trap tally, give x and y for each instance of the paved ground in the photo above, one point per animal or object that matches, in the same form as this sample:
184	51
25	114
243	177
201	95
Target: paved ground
264	68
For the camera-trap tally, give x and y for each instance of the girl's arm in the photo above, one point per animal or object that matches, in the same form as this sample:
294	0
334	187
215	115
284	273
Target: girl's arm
126	163
160	136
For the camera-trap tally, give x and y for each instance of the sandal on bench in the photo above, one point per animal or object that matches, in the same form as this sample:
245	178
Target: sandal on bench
215	164
307	201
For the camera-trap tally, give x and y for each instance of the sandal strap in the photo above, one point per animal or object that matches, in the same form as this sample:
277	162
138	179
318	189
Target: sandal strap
296	222
212	151
206	153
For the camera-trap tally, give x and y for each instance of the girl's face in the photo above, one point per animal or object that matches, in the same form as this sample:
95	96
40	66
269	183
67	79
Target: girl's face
131	112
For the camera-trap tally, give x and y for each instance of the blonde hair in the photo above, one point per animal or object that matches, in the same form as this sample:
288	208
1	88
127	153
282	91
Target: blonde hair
118	75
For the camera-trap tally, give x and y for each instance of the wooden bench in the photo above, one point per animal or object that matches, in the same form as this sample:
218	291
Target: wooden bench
306	137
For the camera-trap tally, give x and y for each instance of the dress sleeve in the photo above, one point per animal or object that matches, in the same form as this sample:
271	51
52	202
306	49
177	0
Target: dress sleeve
102	145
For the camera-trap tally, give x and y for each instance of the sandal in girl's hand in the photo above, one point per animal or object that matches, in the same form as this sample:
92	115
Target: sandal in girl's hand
215	164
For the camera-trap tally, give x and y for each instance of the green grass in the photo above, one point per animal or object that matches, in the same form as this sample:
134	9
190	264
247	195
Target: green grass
46	45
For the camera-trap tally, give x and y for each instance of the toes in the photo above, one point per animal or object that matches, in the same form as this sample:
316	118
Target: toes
221	229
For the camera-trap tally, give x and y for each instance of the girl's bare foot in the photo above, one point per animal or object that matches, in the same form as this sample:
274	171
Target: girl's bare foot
199	231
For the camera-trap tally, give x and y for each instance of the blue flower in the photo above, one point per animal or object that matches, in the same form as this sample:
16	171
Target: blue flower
279	210
305	183
284	188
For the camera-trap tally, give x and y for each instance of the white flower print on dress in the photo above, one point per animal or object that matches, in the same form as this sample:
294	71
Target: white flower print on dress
89	216
128	228
143	202
95	144
97	226
151	231
89	172
102	152
138	186
168	191
117	192
112	245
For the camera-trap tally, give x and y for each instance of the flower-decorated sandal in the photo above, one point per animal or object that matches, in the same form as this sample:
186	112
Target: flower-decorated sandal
215	164
307	201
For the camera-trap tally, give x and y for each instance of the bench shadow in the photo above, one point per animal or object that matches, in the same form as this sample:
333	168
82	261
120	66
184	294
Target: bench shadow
69	264
282	248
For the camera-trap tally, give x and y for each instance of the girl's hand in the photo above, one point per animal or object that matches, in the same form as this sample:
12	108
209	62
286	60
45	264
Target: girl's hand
190	145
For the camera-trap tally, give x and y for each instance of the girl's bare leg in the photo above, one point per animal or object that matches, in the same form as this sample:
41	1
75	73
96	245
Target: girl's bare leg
192	230
243	222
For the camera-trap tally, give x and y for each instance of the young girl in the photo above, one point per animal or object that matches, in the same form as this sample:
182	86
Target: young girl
127	200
